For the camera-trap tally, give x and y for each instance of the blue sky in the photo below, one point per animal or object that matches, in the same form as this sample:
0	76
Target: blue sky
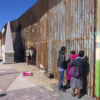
12	9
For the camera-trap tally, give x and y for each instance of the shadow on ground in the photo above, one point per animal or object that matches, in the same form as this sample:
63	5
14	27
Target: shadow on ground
1	60
3	94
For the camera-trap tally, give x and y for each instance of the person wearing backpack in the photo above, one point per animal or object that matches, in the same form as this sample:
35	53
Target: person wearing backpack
77	69
62	64
72	56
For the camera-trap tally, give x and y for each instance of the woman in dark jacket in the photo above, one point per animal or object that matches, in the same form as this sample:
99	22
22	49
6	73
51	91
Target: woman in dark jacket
77	82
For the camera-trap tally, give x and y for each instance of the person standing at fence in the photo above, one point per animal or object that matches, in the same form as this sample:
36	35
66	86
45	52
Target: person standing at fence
85	74
27	56
31	56
77	68
61	66
72	56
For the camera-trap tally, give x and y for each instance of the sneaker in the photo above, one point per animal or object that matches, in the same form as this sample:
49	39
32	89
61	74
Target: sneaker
64	90
73	95
79	97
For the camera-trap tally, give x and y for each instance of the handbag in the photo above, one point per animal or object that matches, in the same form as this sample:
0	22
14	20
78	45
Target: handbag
74	71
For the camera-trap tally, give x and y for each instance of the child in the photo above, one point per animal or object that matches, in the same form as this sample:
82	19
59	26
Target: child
72	56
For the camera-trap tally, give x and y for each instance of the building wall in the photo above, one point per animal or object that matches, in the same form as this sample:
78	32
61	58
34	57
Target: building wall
50	24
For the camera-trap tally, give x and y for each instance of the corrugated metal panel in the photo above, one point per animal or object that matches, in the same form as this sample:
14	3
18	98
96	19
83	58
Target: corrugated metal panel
56	31
42	43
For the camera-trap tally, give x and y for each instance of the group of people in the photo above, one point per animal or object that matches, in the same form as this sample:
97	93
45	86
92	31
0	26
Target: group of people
76	68
30	56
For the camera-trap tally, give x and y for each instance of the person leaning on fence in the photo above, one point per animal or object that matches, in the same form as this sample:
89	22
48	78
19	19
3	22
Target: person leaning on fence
72	56
85	74
61	66
77	68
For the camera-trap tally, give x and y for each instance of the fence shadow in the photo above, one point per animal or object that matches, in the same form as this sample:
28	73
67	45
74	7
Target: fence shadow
18	46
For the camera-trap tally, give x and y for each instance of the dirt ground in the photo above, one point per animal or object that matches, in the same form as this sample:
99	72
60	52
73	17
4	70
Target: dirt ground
38	77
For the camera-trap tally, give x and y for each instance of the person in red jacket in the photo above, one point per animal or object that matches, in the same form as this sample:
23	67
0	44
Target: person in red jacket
72	56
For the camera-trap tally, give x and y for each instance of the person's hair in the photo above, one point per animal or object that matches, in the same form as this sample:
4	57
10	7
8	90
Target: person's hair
81	53
63	48
72	52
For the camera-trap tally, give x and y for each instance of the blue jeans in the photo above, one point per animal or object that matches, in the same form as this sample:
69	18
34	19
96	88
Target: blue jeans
61	77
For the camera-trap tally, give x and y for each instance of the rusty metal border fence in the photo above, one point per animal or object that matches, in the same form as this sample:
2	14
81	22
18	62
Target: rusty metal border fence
67	23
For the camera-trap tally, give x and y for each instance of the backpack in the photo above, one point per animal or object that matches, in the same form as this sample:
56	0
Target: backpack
74	71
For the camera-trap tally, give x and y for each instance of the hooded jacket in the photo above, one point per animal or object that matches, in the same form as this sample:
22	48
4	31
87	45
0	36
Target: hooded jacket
80	62
73	56
61	60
